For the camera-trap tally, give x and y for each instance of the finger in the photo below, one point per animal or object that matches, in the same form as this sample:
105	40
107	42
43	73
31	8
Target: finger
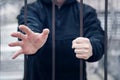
17	54
25	29
18	43
45	32
82	40
18	35
81	56
81	46
73	44
81	51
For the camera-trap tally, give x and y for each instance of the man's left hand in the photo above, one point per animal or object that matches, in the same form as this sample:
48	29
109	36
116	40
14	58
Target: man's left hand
82	47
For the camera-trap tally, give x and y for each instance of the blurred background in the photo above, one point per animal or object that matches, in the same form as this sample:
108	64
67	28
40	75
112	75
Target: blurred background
13	69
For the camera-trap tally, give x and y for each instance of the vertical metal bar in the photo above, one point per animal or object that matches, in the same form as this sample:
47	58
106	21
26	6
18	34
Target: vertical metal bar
106	40
53	40
81	35
25	56
25	12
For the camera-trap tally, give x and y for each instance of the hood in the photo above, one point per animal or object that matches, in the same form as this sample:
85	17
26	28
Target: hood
66	1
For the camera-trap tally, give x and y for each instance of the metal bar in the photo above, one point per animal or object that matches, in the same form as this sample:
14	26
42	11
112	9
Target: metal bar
106	41
25	56
81	35
53	40
25	12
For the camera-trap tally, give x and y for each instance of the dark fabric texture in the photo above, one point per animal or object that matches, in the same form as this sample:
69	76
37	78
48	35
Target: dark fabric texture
67	28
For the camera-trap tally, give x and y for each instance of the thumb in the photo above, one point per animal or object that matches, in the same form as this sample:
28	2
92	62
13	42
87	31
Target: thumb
45	32
17	54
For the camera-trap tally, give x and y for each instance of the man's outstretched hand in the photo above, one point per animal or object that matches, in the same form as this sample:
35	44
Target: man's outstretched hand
30	41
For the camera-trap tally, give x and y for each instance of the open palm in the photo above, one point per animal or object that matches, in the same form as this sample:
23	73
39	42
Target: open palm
30	41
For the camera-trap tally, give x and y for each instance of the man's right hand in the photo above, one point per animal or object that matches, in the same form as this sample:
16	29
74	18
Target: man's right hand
31	42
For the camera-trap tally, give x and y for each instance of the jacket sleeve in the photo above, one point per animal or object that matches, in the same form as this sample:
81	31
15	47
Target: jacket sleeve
94	31
35	17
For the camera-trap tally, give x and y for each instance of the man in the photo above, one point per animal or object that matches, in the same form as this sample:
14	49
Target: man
70	48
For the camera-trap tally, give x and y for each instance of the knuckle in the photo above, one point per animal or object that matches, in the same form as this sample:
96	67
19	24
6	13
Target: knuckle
73	41
75	51
77	56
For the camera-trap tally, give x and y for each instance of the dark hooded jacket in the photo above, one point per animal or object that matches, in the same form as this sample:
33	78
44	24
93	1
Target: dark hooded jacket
67	28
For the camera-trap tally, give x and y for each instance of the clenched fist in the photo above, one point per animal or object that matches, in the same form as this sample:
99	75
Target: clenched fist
82	47
30	41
